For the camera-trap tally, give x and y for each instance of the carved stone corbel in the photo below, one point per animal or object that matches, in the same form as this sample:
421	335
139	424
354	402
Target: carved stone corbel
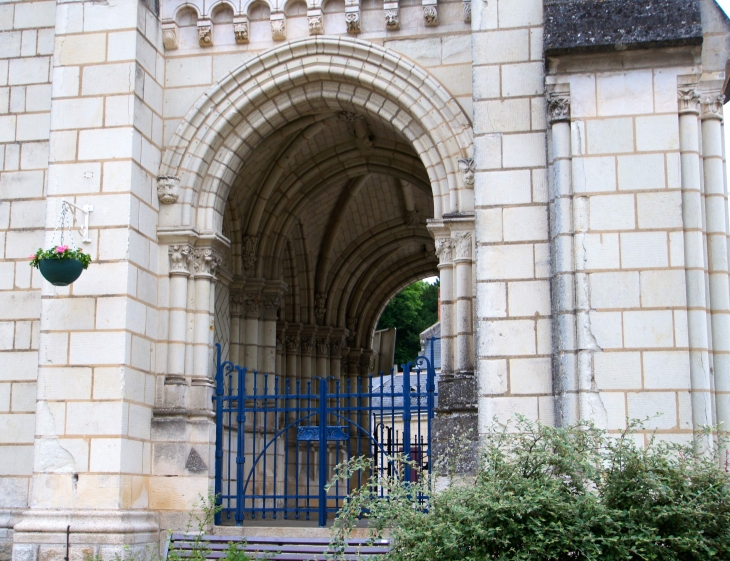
392	16
431	14
240	29
315	19
467	11
278	27
205	32
249	251
352	20
320	306
168	189
170	36
466	165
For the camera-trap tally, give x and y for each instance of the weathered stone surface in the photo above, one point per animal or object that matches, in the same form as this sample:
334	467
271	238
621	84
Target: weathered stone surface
574	26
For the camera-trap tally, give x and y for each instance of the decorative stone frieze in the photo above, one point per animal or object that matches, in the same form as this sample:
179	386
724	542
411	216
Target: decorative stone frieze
467	11
711	106
352	20
206	261
180	259
278	28
316	24
392	19
271	308
205	33
240	30
444	250
463	245
431	15
558	107
466	165
250	248
170	36
168	189
320	306
689	99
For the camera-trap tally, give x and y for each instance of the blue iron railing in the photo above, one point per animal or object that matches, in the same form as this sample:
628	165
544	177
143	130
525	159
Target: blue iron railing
279	439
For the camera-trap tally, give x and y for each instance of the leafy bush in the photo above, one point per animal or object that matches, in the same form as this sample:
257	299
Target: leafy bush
550	494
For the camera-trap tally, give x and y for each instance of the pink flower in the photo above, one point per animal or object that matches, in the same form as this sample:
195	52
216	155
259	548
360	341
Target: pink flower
32	256
81	250
61	248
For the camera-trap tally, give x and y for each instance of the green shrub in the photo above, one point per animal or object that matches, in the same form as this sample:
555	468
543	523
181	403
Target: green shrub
552	494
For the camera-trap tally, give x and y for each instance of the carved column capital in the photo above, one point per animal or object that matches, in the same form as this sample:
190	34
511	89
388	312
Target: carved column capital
688	98
252	306
168	189
466	165
463	246
711	106
323	346
336	345
558	104
307	344
445	250
411	217
293	344
366	363
180	259
271	308
206	261
237	302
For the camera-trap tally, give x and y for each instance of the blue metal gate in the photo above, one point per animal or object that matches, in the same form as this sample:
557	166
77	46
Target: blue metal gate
270	458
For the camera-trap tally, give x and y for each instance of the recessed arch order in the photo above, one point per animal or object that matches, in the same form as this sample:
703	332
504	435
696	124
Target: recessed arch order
307	77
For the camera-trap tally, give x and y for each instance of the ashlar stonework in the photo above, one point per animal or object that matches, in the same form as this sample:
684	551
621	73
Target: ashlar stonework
267	175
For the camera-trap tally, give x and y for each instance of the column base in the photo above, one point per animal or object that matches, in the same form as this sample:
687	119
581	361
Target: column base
54	535
455	429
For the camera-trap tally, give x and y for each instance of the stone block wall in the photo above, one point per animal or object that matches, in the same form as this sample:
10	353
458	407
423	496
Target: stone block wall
26	49
512	316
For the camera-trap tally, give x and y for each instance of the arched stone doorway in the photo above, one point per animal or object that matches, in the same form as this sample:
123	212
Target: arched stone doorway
301	190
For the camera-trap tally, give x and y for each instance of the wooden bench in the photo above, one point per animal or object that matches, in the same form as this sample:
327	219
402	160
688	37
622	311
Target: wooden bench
278	549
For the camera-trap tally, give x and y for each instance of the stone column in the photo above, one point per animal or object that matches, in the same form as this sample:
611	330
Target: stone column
694	261
716	210
175	384
252	313
323	353
464	331
565	368
237	302
270	316
445	252
308	343
336	344
205	261
293	348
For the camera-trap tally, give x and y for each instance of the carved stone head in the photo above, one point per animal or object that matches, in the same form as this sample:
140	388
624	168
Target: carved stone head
168	189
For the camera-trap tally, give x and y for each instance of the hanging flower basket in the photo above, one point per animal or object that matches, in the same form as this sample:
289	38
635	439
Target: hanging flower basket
60	265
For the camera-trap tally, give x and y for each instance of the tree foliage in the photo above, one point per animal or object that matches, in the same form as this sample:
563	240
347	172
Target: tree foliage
413	310
547	494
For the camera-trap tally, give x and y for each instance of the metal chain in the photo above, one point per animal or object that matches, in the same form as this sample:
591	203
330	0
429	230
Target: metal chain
65	224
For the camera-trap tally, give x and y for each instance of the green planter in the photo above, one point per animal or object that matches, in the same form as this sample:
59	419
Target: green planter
60	272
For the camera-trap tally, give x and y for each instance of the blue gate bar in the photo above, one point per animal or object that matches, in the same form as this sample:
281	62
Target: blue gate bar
285	436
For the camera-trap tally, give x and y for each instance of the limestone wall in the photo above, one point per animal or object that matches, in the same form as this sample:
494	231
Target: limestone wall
26	49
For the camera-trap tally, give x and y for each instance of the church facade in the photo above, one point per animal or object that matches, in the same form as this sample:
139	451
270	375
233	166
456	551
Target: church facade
268	174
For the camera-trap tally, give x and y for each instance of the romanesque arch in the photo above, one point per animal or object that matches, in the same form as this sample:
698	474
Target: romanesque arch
313	174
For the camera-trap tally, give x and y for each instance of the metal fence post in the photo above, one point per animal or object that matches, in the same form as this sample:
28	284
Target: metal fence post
218	399
322	451
407	419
